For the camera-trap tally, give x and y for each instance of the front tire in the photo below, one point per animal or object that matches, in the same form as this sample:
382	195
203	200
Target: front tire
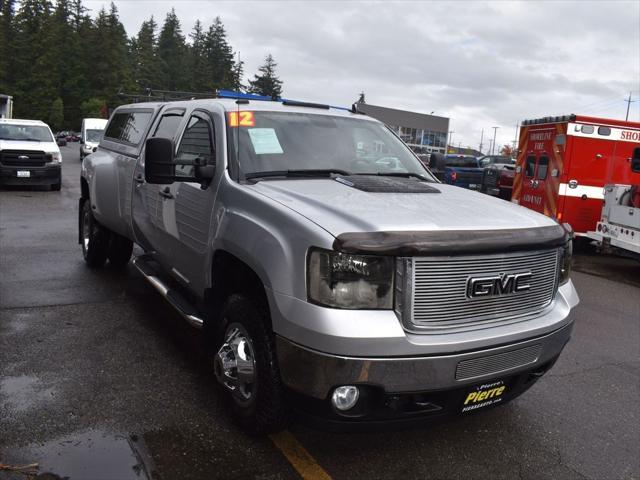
94	238
119	250
57	186
246	365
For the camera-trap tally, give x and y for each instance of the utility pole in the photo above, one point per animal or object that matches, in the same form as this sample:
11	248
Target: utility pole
451	132
515	142
481	139
628	105
495	129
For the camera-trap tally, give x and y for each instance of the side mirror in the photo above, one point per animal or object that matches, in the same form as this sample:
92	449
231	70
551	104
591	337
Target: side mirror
160	164
159	167
635	161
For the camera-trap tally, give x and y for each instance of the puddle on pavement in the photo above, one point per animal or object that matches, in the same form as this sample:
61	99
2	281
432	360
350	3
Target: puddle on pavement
91	455
23	392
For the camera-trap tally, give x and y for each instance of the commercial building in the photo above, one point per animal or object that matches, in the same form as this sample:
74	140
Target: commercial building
422	132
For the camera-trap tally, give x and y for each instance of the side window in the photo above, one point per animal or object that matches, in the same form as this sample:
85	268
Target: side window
168	125
128	127
604	131
530	166
197	142
543	166
587	129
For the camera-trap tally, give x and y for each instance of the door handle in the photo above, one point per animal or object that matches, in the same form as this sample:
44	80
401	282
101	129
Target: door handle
139	178
165	192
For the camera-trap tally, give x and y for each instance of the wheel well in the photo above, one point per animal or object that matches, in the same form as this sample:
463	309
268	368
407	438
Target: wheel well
231	275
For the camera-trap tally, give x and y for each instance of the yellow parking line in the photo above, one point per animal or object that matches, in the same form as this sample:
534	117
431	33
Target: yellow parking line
298	456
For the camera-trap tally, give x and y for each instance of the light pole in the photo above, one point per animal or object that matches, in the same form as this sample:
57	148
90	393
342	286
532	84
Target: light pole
495	129
481	139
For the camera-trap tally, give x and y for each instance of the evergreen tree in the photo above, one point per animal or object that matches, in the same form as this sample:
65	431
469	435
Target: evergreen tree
32	62
267	83
70	76
146	67
200	69
109	61
172	52
220	57
56	115
7	12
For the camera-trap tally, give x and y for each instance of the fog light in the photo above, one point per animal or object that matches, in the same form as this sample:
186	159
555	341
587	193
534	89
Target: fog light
345	397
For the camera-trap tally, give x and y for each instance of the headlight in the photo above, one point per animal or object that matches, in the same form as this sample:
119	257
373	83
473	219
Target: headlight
342	280
565	262
54	157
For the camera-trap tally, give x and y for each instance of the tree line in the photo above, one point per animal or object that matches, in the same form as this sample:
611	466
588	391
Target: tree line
62	65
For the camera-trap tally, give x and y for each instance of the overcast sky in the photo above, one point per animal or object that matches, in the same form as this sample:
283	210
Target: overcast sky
480	64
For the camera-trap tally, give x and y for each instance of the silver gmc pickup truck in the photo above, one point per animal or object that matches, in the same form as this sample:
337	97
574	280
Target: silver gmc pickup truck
331	273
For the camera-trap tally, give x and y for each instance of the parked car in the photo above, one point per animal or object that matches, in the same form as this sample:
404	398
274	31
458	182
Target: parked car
459	170
497	175
29	155
329	271
73	136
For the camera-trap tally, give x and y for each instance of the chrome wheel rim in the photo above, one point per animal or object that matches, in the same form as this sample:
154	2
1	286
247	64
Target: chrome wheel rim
86	232
234	364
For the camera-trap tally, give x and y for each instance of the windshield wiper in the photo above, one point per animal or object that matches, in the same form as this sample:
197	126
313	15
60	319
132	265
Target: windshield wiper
327	172
30	140
399	174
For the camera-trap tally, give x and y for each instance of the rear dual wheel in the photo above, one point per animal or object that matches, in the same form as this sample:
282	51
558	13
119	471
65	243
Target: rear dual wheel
100	244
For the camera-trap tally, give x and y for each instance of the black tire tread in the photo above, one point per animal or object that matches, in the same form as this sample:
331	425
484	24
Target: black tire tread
269	413
96	254
119	250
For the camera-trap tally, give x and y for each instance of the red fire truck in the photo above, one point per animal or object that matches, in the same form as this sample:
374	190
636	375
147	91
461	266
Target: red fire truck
564	163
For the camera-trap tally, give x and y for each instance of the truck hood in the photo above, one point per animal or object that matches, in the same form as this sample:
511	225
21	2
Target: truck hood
339	208
49	147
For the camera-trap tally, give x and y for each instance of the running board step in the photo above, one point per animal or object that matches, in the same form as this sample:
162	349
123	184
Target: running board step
184	308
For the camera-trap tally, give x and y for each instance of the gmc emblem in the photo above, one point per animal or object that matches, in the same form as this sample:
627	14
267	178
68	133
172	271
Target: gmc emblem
23	157
504	284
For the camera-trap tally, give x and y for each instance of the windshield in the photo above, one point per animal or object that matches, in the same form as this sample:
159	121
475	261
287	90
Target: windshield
282	141
93	136
28	133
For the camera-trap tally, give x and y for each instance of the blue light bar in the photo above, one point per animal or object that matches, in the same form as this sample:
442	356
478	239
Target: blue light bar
263	98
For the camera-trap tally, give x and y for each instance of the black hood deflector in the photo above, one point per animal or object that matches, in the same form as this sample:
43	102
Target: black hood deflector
455	242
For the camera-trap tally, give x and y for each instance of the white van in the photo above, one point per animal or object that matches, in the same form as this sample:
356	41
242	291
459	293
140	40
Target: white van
91	134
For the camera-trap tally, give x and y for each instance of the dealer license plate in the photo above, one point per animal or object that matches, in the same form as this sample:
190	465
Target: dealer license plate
24	173
484	395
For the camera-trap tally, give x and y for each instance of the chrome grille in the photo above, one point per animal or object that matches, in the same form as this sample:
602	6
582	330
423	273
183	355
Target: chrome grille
440	301
499	363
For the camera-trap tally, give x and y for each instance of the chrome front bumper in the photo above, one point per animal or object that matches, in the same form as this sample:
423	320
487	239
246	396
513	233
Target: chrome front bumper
315	374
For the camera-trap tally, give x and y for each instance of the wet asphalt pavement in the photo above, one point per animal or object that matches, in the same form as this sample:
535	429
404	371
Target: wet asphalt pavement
100	379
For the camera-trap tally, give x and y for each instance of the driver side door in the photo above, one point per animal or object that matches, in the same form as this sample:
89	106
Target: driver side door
186	208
